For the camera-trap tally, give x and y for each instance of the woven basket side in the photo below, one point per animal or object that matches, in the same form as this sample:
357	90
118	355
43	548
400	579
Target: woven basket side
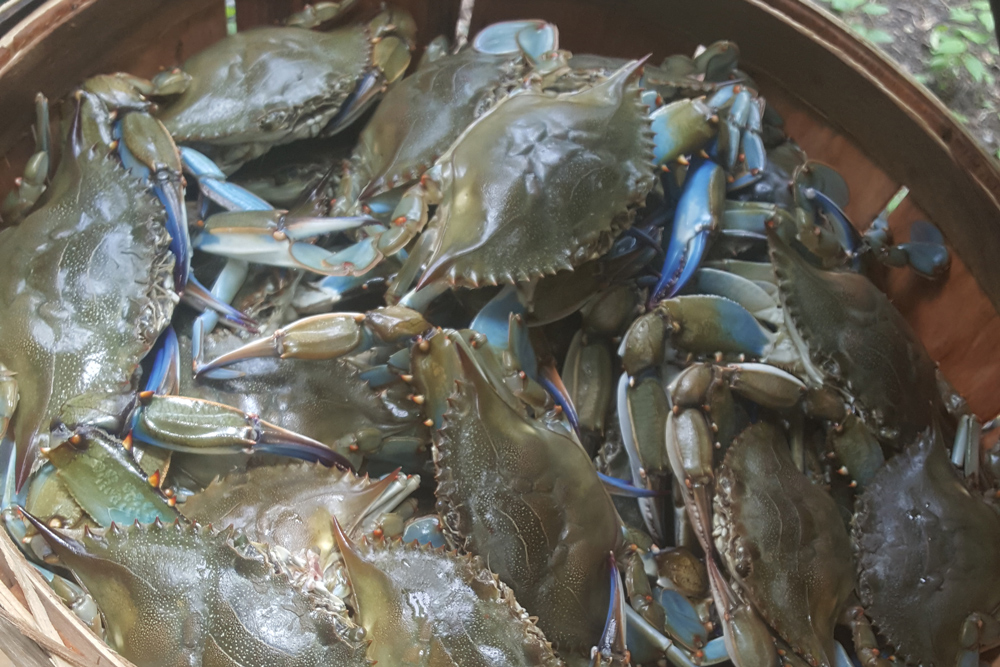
36	628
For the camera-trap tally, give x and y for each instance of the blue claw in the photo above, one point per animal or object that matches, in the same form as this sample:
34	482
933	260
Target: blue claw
198	296
170	192
612	647
845	231
506	37
493	320
367	89
622	489
213	185
683	622
699	212
926	250
203	427
549	378
165	373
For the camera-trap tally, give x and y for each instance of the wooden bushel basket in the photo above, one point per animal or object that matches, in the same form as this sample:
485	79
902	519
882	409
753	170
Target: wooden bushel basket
843	102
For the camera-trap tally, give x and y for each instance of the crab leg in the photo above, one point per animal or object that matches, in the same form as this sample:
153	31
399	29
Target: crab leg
29	187
329	336
611	649
204	427
252	230
147	150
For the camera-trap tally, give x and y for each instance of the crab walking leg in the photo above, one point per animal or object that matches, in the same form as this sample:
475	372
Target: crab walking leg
204	427
30	186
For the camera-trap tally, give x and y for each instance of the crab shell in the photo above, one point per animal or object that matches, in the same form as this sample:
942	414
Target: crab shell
521	494
927	553
423	606
174	595
539	183
850	336
289	505
783	541
422	115
241	102
70	325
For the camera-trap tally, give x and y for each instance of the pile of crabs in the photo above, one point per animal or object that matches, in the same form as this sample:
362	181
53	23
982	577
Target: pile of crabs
524	358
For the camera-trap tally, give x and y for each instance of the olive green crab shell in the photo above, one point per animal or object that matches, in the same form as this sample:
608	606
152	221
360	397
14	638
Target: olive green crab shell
291	505
540	183
851	337
521	492
465	614
798	577
174	594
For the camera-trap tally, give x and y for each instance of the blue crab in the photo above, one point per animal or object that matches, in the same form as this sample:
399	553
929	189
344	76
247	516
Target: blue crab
416	122
514	489
924	541
221	601
70	327
237	100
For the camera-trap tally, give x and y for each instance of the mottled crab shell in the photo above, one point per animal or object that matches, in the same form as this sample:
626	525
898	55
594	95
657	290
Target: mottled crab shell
85	289
290	505
429	607
523	495
541	182
927	552
851	337
175	595
240	99
783	541
423	114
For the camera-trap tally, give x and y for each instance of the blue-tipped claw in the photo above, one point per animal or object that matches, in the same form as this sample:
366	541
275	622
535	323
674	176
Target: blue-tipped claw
165	373
845	231
198	296
549	378
203	427
622	489
169	191
699	212
612	648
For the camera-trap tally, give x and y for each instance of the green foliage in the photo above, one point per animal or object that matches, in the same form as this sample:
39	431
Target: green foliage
952	47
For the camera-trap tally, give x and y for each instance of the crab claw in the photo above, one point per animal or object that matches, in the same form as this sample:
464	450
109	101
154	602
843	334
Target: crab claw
622	489
532	36
165	373
273	237
64	546
318	337
200	298
699	212
611	649
204	427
